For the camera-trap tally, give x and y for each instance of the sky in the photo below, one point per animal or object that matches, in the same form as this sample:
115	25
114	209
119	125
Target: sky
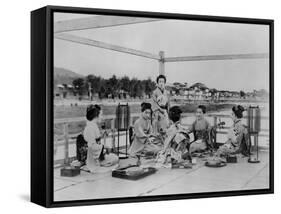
175	38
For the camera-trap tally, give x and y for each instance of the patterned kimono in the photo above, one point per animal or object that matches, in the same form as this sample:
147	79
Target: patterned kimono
175	146
160	107
237	135
95	149
142	142
201	129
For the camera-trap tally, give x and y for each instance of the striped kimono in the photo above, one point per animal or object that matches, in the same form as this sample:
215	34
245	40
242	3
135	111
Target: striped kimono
160	107
142	142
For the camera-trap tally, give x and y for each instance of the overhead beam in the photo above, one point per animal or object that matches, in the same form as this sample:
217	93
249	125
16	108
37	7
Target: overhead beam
217	57
90	42
97	22
99	44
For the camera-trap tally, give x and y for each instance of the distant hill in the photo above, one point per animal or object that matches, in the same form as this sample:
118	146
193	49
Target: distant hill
64	76
199	85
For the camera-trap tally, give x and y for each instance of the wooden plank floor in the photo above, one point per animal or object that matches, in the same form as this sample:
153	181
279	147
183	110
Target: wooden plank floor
239	176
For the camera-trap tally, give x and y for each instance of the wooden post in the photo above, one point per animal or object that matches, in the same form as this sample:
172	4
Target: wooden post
66	149
161	63
215	124
113	140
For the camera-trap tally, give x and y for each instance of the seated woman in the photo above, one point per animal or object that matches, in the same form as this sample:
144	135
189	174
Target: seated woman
142	142
176	145
237	139
96	156
201	129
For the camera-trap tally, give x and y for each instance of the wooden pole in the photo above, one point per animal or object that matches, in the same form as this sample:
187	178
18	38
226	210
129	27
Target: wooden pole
161	63
66	149
215	124
113	135
218	57
113	131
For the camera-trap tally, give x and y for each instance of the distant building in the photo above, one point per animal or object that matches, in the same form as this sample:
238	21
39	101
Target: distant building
199	91
63	90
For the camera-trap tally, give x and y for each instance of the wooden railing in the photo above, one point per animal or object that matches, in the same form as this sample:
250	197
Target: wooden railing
67	139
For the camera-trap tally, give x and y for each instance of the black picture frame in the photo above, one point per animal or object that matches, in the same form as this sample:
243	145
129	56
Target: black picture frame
42	105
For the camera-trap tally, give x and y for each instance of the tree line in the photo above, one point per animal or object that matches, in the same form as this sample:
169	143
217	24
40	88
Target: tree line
113	87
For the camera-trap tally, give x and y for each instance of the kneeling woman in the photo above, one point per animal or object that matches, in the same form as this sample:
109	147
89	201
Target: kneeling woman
237	139
96	156
143	132
201	129
176	145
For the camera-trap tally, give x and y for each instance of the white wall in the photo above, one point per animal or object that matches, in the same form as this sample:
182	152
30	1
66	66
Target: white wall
15	108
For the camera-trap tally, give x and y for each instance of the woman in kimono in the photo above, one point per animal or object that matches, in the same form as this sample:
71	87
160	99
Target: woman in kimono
160	106
142	142
201	130
96	155
237	139
176	145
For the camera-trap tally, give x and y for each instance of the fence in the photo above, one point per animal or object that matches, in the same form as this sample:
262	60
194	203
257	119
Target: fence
67	139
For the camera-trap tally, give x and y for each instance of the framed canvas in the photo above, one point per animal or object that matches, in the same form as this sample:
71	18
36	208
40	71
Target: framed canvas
134	106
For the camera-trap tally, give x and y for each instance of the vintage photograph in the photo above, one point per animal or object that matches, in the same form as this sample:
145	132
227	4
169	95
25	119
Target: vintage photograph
151	106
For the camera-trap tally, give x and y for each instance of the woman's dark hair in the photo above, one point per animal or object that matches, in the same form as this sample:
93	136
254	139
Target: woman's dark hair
161	76
203	108
145	106
93	111
175	113
238	111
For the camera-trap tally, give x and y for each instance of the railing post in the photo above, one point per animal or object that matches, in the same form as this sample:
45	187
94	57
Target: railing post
66	148
113	135
113	140
215	125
